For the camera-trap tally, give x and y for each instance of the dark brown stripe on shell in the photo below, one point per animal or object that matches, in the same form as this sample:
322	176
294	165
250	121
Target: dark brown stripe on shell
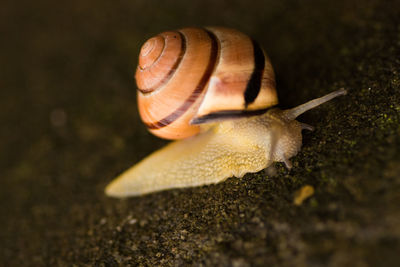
227	114
254	85
196	92
171	71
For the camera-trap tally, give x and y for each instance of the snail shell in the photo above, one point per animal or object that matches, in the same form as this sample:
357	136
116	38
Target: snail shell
194	76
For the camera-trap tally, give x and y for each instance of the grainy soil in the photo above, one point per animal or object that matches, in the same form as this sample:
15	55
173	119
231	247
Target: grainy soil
70	124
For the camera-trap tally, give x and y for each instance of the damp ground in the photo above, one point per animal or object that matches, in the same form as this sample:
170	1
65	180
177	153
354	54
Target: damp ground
70	124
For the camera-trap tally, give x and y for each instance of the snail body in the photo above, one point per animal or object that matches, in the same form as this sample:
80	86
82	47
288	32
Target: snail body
219	102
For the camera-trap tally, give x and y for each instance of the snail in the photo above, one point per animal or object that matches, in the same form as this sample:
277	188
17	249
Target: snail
214	89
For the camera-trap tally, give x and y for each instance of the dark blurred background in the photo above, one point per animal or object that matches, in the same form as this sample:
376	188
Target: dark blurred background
69	124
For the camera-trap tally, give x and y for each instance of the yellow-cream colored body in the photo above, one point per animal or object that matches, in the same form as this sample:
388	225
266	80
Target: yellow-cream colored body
227	148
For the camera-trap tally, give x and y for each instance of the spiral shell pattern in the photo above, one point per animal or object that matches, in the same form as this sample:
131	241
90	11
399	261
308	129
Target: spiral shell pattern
194	76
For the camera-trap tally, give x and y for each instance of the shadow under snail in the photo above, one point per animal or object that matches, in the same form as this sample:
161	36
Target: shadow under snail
213	88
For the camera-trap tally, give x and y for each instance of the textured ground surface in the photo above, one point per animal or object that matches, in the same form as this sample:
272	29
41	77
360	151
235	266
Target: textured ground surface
69	124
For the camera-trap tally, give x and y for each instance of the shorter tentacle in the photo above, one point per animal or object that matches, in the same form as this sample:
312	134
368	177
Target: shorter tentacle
288	163
305	126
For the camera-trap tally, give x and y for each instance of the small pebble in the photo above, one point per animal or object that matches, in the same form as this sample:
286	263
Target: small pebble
302	194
